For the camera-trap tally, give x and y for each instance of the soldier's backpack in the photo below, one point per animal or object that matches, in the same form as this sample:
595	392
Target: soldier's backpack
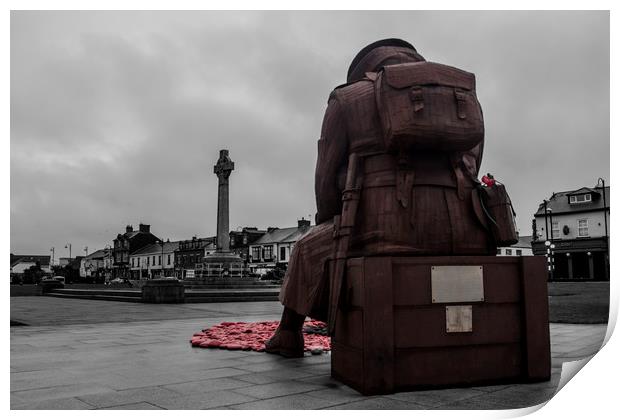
499	212
428	106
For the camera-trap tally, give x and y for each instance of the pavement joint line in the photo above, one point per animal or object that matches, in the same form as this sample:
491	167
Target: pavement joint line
277	396
349	402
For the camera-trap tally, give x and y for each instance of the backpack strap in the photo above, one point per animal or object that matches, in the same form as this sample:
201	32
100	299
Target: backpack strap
456	160
405	176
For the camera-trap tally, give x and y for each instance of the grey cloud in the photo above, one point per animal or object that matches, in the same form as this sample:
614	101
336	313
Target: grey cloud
117	117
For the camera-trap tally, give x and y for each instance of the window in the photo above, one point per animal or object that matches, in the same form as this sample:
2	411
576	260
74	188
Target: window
583	227
168	259
255	253
153	259
555	230
282	254
159	258
509	252
581	198
519	252
499	251
268	252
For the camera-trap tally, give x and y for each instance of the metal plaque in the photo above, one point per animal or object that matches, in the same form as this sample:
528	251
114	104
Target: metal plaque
457	283
458	319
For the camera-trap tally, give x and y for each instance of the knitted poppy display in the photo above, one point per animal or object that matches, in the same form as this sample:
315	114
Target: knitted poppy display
252	336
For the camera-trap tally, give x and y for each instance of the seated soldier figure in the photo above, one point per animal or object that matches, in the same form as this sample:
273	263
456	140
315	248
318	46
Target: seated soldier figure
423	205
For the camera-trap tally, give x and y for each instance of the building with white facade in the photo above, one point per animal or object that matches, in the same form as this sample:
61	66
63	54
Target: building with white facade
572	229
275	247
148	261
521	248
92	265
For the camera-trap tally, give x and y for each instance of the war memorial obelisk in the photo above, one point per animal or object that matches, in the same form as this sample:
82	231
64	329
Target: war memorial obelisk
222	256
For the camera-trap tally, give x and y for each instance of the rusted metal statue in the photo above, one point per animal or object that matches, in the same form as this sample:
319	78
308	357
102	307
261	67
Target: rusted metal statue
396	174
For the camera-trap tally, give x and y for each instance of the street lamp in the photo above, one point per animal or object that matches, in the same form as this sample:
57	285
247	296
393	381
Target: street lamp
546	225
162	259
108	262
550	220
602	182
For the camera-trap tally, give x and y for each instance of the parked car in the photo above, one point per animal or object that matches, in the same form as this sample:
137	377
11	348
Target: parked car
46	278
48	284
117	281
60	279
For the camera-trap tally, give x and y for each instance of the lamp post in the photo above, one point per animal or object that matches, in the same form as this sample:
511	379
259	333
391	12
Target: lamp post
550	220
602	182
107	266
162	259
52	249
552	245
546	225
69	246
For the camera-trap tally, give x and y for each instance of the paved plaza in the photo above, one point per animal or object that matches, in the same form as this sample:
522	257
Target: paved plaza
81	354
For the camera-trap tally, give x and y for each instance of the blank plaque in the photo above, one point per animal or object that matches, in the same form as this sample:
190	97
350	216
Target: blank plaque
457	283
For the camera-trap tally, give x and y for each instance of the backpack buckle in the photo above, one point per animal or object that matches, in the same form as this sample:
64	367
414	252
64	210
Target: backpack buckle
461	103
415	94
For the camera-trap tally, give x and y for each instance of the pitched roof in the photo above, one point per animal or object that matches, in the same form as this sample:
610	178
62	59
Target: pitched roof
584	190
100	253
559	202
19	267
524	242
291	234
156	248
41	259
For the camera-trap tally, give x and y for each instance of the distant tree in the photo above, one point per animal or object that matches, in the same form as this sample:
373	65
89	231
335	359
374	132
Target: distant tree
33	274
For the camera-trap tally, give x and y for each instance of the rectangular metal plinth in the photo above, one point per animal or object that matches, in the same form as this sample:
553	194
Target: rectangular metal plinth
391	337
457	283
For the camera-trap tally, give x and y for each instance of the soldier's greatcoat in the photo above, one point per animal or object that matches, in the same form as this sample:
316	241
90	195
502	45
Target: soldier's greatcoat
431	213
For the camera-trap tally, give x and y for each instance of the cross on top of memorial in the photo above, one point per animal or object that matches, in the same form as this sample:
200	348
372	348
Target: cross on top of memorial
224	165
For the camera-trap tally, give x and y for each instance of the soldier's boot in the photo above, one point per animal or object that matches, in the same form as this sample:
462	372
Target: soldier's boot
288	340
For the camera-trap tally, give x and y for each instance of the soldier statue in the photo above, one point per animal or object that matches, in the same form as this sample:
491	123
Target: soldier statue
409	201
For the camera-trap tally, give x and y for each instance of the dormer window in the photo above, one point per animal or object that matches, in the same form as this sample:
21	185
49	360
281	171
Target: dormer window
580	198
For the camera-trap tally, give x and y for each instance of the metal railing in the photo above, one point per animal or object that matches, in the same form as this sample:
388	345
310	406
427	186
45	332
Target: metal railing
220	270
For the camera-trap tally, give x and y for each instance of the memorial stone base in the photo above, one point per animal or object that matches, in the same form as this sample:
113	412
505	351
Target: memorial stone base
163	291
428	322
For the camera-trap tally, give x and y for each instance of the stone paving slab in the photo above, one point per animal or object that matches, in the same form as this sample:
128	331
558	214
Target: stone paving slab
148	363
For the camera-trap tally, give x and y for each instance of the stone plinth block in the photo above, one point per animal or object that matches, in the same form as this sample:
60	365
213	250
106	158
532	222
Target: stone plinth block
163	291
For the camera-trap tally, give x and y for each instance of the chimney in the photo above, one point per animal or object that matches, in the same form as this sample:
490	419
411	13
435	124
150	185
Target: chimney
271	229
128	229
303	223
145	228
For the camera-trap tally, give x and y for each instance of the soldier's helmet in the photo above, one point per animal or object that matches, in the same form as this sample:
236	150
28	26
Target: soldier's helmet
381	53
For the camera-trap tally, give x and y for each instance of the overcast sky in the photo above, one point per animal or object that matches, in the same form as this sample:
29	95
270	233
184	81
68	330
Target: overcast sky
117	117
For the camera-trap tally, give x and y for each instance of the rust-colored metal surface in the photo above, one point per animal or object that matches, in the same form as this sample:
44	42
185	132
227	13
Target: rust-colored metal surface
390	336
397	194
409	202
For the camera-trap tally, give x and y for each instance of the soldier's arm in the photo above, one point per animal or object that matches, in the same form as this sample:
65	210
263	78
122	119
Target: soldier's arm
472	159
332	157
